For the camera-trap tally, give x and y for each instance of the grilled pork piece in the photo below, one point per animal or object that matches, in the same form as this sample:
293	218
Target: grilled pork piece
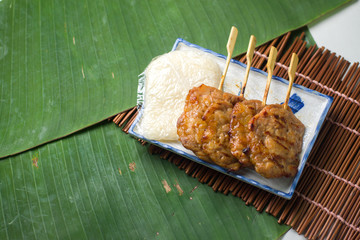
240	117
204	125
216	139
275	141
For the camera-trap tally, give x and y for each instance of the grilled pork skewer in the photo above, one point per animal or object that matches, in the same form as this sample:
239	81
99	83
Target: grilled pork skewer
216	139
241	115
275	137
204	125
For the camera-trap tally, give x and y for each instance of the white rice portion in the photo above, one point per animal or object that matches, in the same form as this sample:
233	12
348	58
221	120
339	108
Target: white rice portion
169	78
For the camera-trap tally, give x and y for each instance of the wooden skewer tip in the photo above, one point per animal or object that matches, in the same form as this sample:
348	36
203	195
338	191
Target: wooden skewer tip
249	58
230	48
272	58
270	67
291	71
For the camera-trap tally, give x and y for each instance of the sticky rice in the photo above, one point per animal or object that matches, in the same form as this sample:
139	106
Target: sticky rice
169	78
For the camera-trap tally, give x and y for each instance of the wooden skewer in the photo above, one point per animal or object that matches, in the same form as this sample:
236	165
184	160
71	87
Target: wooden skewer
249	58
292	70
230	48
270	67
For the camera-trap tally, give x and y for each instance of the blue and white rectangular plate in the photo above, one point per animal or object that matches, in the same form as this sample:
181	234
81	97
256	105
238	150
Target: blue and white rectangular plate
308	105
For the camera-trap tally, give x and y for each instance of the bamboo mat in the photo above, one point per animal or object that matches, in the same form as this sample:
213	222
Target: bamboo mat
326	203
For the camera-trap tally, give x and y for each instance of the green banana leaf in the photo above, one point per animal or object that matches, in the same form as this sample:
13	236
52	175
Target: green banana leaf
102	184
65	65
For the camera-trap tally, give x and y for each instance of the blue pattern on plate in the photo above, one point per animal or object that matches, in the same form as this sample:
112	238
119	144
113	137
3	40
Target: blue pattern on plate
295	103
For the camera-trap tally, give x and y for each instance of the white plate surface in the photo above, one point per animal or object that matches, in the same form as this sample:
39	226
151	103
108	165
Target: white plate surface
310	106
